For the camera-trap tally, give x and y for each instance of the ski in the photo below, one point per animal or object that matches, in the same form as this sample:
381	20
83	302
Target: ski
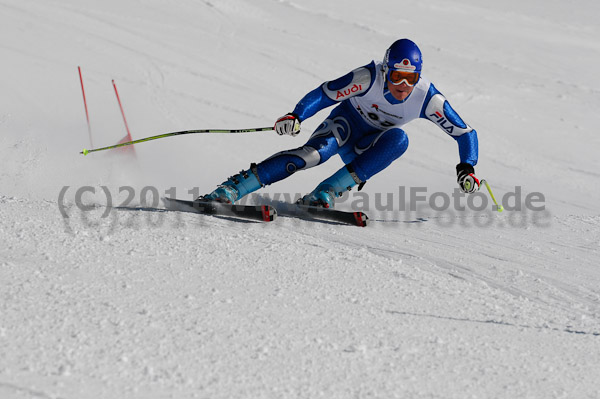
263	213
320	213
267	213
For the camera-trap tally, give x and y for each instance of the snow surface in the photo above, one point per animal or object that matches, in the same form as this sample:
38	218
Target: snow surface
420	304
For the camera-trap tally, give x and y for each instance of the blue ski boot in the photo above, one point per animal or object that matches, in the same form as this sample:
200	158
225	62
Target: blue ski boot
235	187
326	192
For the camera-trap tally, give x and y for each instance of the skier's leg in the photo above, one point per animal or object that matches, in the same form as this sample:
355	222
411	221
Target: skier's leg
371	155
322	145
374	157
324	142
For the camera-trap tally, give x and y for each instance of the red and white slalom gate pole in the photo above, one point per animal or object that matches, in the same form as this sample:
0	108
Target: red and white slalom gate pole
87	115
128	137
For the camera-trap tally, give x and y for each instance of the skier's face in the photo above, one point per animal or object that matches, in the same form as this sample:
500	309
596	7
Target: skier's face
401	91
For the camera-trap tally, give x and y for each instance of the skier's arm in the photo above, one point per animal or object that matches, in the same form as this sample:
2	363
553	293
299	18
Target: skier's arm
439	111
332	92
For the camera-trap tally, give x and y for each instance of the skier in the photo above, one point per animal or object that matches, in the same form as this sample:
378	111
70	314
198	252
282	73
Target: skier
364	129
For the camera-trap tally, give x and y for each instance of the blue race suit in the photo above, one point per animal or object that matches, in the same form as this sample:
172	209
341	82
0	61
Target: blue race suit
365	127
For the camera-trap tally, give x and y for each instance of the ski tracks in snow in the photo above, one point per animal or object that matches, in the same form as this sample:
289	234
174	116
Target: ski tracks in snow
182	303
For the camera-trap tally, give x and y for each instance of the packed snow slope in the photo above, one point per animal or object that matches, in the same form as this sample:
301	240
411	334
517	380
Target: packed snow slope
100	302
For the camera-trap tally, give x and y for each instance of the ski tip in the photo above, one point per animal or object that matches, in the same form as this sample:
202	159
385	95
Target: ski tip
84	152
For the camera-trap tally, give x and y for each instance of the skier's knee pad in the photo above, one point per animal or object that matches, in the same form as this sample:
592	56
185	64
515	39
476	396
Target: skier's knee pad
285	163
326	146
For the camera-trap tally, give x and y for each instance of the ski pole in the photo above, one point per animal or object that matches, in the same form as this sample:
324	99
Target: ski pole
499	208
160	136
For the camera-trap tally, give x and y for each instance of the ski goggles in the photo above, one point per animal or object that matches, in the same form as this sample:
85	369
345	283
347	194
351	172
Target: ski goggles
396	77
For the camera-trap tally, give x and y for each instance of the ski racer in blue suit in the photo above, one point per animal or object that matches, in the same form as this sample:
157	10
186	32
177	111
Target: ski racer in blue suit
373	103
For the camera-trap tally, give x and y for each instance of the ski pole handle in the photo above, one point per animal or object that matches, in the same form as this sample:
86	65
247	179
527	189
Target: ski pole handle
160	136
499	208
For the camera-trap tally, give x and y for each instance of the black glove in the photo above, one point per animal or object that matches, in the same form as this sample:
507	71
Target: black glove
468	182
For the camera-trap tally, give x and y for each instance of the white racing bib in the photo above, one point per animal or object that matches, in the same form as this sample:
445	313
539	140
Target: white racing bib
378	112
